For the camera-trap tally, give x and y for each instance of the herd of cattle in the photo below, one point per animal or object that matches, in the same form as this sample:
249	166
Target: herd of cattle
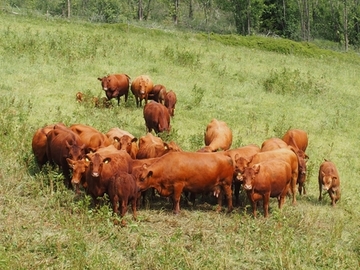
122	166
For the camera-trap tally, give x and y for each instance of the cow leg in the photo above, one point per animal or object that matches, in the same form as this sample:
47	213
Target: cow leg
133	207
237	186
176	199
126	97
228	194
293	187
266	199
320	191
114	202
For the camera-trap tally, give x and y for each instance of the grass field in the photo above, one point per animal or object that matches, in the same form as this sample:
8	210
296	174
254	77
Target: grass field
258	93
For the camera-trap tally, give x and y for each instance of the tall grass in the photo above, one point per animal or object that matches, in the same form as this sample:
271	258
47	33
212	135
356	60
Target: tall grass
44	225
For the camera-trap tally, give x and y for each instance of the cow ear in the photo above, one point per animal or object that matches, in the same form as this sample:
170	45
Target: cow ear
322	173
107	160
134	139
256	167
116	139
70	162
166	146
100	79
150	173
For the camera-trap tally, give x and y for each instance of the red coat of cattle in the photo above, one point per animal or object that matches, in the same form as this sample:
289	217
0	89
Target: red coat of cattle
123	189
78	168
217	136
267	179
329	181
151	146
115	86
39	144
91	137
158	93
246	152
102	166
272	144
141	87
298	139
123	140
63	143
176	172
170	102
156	117
283	154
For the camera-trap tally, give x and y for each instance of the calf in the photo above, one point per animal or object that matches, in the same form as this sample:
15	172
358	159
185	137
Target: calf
170	102
267	179
123	189
329	181
158	93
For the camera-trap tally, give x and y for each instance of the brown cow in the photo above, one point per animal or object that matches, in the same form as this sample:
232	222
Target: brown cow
329	181
141	87
115	86
63	143
78	173
91	137
158	93
217	136
156	117
176	172
151	146
283	154
267	179
170	102
246	152
102	166
123	189
272	144
123	140
39	144
298	139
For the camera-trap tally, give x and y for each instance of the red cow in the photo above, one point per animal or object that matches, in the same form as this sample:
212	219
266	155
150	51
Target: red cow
246	152
272	144
217	136
63	143
283	154
91	137
115	86
267	179
141	87
102	166
170	102
39	144
176	172
78	173
151	146
158	93
123	189
123	140
329	181
156	117
298	139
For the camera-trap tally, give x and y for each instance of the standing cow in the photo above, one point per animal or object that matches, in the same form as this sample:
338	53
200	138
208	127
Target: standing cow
156	117
217	136
141	87
158	93
329	181
170	102
115	86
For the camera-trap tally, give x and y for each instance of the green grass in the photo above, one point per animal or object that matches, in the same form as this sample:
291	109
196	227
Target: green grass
259	93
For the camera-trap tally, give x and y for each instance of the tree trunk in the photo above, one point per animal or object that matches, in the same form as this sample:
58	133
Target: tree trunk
346	36
176	11
140	11
68	8
191	10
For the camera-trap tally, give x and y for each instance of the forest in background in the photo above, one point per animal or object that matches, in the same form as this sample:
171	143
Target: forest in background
335	21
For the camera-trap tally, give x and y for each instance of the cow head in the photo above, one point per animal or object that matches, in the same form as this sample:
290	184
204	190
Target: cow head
78	167
144	175
240	165
105	81
96	163
74	151
249	175
126	143
327	180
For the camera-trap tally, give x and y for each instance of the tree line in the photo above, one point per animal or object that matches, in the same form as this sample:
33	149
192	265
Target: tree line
299	20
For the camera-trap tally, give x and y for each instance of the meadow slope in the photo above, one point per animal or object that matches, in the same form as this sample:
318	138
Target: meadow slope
259	94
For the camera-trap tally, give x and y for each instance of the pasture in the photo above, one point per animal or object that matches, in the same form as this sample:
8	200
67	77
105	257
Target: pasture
259	94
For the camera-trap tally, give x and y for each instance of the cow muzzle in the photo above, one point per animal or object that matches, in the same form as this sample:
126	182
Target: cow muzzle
95	174
247	187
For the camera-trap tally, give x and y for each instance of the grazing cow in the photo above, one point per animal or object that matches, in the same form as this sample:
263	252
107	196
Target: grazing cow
39	144
78	173
123	189
115	86
158	93
102	166
91	137
217	136
123	140
156	117
272	144
246	152
141	87
329	181
63	143
79	97
170	102
283	154
176	172
267	179
298	139
151	146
